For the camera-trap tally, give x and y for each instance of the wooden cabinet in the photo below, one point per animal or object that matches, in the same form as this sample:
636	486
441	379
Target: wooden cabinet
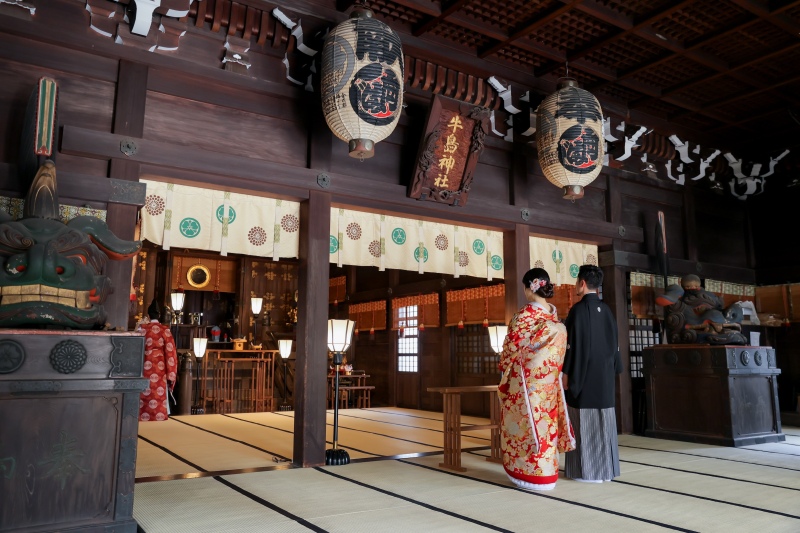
69	405
725	395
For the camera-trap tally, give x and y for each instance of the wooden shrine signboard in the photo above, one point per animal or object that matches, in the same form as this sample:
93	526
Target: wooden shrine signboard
449	151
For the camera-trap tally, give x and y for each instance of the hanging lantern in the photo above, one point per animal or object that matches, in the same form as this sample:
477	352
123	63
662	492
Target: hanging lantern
372	334
355	332
569	138
422	327
362	81
460	324
486	322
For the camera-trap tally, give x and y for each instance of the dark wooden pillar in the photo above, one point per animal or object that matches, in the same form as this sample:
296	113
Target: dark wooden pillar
394	282
129	108
517	254
615	295
311	365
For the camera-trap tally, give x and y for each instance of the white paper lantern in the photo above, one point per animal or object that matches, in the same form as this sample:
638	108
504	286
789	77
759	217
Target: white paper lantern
569	138
362	81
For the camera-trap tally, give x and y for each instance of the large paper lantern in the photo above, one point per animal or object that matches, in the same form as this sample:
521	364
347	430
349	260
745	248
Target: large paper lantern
362	81
569	137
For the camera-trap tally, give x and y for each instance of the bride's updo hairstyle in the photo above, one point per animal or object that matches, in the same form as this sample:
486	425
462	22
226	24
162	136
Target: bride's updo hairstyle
538	280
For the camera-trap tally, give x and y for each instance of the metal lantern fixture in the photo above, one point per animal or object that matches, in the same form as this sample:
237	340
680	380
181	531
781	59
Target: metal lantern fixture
340	333
497	336
362	81
285	347
569	137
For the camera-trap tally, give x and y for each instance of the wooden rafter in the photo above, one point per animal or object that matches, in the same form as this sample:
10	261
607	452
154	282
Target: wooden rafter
705	78
773	15
599	11
746	94
451	8
529	27
615	35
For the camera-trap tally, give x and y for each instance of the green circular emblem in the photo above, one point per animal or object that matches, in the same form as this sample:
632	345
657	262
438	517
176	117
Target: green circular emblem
190	227
557	256
478	247
231	214
573	270
399	235
334	247
424	254
497	262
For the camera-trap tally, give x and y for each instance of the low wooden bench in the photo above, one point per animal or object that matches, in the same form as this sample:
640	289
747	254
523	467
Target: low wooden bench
363	398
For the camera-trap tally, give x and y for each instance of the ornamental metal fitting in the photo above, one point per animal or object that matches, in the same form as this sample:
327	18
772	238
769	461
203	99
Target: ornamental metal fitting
323	180
621	231
127	147
525	214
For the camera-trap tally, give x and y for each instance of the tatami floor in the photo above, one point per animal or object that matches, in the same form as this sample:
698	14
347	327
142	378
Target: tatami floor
231	473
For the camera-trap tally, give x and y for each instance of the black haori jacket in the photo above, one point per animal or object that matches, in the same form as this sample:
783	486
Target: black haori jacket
592	359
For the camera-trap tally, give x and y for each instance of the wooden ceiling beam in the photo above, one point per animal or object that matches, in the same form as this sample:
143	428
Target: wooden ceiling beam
452	7
752	117
705	78
424	7
689	107
599	11
773	16
746	94
741	23
529	27
646	20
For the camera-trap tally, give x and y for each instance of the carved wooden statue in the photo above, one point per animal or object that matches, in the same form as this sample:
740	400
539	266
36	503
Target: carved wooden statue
694	315
52	272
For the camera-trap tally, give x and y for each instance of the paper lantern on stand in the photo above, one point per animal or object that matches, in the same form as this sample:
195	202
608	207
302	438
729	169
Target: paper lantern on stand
362	81
569	138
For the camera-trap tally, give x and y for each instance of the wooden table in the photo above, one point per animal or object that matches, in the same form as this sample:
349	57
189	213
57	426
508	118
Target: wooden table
257	397
358	381
453	427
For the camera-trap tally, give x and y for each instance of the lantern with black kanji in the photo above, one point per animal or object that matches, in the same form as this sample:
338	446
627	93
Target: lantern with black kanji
569	138
362	81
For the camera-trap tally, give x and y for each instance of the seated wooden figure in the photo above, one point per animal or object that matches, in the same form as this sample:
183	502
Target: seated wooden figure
696	316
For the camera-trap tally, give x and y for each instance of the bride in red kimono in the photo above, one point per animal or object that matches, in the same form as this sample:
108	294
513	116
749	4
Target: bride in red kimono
160	365
534	426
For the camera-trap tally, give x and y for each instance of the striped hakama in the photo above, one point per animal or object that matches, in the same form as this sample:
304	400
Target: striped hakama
596	456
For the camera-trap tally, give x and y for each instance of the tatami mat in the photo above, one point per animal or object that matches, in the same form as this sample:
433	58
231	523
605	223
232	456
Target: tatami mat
665	485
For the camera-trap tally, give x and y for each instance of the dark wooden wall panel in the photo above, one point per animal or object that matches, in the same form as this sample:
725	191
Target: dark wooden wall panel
774	218
490	183
721	239
82	165
384	166
218	129
375	358
369	278
544	195
644	213
82	101
61	59
432	367
191	87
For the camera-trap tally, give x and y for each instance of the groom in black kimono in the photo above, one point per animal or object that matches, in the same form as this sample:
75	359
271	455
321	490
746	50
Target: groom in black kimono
589	378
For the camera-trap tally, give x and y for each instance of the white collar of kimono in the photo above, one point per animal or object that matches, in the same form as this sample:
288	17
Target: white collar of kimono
549	308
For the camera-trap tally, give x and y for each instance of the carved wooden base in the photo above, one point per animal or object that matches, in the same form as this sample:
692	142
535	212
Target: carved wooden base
69	405
725	395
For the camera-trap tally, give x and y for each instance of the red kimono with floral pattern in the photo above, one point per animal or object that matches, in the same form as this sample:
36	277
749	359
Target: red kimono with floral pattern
160	365
534	425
